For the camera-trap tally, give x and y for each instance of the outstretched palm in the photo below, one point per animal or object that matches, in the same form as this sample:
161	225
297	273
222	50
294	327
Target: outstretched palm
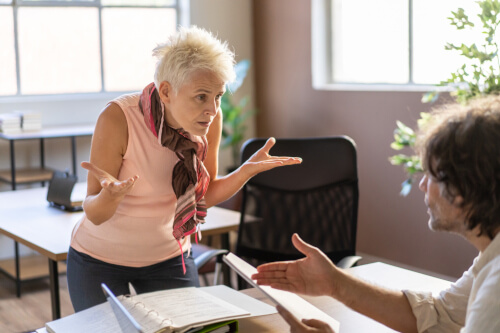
263	161
109	183
309	276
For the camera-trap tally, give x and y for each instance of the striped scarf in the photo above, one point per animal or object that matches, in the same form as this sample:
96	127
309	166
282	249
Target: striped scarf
190	179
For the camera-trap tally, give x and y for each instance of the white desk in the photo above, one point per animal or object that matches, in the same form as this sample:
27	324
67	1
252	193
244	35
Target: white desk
350	321
27	218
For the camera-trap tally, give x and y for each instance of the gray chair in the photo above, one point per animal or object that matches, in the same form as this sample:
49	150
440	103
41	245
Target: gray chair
208	260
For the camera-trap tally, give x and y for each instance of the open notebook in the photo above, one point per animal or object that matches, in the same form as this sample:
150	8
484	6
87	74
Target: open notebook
127	323
205	309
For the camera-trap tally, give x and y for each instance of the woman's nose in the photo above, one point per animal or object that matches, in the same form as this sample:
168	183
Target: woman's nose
212	108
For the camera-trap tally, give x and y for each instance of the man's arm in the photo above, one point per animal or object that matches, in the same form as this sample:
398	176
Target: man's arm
316	275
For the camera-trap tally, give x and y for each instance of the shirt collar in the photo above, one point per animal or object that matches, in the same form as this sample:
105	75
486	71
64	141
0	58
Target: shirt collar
491	252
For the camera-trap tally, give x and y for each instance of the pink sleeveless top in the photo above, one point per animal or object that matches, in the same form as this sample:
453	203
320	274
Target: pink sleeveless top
140	232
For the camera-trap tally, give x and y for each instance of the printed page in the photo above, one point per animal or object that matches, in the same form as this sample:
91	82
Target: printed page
248	303
99	318
188	307
295	304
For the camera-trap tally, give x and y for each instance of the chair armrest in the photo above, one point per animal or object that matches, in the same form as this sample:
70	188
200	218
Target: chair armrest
348	261
205	257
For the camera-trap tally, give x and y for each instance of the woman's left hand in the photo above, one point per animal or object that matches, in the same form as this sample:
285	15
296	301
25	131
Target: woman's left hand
263	161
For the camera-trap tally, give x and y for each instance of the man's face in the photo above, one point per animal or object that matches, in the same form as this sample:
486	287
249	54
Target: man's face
444	215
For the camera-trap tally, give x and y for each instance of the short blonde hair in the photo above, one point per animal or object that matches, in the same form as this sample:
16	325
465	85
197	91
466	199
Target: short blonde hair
188	51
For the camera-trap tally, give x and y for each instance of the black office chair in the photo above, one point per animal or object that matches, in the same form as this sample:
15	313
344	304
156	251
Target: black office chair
317	199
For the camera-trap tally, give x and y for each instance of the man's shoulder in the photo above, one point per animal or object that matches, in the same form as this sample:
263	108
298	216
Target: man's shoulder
482	311
491	270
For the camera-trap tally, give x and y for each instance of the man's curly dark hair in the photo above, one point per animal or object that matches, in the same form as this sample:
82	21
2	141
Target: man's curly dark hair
460	147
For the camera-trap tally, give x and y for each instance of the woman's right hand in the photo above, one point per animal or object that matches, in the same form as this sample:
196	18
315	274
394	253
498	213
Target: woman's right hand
115	188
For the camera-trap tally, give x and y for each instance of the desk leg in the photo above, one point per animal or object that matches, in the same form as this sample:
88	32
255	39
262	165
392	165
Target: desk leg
12	164
73	154
18	270
224	242
54	290
42	156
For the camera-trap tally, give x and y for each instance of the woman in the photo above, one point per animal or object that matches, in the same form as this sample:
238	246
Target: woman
153	173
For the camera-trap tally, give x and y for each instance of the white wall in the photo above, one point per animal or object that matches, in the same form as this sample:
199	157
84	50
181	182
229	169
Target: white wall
230	20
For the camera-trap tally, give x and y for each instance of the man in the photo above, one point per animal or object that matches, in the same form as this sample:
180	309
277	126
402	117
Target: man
460	151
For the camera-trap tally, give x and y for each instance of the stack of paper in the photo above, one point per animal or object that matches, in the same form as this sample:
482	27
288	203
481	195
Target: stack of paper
30	120
10	123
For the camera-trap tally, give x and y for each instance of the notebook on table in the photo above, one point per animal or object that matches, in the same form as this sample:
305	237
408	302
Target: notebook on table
137	314
127	323
60	193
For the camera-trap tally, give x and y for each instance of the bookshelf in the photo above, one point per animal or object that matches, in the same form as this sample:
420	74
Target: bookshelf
14	176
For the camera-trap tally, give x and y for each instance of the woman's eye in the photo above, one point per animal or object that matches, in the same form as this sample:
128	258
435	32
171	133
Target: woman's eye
201	97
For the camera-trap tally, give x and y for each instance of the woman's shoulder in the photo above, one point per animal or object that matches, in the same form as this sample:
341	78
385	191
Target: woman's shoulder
127	100
111	126
112	118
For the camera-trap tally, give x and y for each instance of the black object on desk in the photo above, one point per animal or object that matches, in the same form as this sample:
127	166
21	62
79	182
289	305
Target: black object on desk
60	189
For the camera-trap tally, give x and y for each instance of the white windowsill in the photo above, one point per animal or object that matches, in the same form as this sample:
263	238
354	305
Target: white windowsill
60	97
379	87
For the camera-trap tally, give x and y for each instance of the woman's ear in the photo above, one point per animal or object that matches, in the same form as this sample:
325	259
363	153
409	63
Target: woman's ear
165	91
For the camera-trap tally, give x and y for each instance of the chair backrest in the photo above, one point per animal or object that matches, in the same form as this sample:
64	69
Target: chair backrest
317	199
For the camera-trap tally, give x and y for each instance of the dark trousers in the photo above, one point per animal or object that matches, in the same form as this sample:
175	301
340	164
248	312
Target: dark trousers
85	275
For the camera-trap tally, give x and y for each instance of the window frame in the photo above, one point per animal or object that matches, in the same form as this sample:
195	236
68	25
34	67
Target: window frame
322	51
182	15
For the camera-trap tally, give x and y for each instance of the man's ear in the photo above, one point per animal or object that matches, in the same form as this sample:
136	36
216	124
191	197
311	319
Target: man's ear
458	200
165	91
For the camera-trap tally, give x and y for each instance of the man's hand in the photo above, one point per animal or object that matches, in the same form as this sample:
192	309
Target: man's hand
313	275
306	325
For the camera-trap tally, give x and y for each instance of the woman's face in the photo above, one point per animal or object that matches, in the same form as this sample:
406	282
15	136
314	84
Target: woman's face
196	103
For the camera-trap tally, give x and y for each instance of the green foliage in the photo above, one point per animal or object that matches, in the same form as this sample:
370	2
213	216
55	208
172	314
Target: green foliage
478	76
234	115
405	137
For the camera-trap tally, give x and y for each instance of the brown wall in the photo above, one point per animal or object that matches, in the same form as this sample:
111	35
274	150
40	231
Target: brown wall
389	226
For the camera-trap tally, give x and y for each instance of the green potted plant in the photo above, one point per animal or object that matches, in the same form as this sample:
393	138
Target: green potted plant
478	76
235	114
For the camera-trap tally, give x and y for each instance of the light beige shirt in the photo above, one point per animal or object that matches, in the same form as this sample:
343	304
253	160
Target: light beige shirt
470	305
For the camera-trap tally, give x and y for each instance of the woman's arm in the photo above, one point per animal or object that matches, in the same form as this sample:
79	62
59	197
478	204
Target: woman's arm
221	189
109	144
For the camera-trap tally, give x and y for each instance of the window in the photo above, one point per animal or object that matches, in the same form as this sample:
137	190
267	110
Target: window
81	46
386	42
